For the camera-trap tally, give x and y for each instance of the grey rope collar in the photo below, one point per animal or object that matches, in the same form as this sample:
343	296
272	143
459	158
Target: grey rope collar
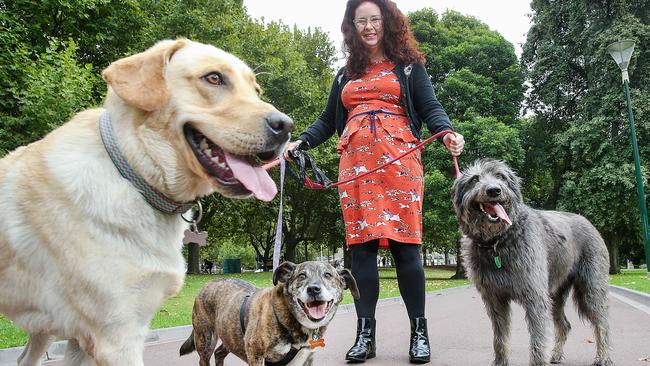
155	199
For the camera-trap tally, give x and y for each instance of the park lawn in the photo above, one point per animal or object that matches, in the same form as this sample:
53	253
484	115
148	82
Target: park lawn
635	279
177	310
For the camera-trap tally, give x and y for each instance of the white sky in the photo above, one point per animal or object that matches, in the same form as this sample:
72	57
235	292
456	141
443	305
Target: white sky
508	17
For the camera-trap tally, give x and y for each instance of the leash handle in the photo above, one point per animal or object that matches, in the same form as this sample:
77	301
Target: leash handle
455	158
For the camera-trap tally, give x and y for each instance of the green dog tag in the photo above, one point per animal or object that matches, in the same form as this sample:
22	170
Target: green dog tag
497	261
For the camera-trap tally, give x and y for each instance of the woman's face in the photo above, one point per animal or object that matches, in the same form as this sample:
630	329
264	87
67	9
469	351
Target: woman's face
369	25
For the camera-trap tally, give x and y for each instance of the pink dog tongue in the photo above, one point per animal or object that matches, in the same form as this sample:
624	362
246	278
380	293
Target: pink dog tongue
255	179
497	209
317	309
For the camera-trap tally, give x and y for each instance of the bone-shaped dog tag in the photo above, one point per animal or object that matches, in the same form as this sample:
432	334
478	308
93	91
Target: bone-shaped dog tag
193	235
313	344
316	341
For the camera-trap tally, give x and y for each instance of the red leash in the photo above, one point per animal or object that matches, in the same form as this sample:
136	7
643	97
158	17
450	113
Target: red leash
312	185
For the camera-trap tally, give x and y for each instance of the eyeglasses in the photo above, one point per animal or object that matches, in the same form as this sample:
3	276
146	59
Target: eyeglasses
375	21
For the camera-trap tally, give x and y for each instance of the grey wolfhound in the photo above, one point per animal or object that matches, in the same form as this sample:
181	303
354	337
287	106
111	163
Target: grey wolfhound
513	252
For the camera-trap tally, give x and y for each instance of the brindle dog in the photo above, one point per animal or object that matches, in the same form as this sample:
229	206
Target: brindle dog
513	252
262	326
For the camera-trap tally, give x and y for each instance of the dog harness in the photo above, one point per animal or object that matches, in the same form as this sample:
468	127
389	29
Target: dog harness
243	309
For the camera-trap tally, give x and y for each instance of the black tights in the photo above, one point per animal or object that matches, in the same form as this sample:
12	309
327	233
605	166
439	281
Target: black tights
410	277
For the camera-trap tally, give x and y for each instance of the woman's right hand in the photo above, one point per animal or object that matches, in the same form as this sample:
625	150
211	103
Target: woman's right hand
291	146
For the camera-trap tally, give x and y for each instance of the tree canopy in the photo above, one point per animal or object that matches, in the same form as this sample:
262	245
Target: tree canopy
557	115
579	136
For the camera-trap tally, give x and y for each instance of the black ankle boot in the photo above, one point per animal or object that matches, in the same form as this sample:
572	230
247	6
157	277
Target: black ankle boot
364	345
419	351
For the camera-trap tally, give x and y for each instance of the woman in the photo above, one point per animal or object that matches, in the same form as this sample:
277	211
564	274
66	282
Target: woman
376	105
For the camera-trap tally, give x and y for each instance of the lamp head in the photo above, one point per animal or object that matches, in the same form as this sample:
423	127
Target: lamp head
621	52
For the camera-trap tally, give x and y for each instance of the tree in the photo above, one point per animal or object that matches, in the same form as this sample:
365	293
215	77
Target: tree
576	94
294	69
102	29
479	82
51	53
55	87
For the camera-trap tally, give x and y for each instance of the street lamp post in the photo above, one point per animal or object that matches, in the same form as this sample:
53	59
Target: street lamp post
621	51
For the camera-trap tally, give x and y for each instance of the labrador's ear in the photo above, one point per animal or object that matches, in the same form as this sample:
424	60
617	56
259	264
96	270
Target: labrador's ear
283	272
139	79
350	282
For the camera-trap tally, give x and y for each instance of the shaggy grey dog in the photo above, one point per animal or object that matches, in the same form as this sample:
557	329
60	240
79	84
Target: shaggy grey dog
513	252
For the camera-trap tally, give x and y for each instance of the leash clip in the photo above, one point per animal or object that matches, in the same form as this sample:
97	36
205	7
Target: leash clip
192	235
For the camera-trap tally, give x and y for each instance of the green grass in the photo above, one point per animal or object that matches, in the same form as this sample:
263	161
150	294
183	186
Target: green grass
635	279
177	310
10	336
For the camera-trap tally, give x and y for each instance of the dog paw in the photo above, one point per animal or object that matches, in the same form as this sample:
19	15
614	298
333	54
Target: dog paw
605	362
500	363
557	357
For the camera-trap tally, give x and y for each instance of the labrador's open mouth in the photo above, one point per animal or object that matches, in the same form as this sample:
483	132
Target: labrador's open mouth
316	310
494	211
240	174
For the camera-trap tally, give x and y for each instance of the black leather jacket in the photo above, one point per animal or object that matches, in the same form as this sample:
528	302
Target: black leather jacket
418	96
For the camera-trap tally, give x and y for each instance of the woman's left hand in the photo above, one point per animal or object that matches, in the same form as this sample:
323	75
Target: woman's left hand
454	143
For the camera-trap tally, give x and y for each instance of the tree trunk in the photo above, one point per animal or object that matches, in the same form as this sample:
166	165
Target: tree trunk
424	256
614	263
447	256
193	259
460	270
290	251
306	254
347	257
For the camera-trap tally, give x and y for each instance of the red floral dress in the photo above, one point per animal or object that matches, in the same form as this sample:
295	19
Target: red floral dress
386	204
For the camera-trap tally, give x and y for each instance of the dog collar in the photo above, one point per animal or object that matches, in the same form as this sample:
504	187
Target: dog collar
495	256
155	199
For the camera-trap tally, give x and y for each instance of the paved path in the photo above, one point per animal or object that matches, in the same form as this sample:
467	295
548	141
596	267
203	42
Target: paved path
460	334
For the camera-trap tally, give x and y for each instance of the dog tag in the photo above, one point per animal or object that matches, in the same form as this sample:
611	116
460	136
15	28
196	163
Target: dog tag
497	261
315	343
193	235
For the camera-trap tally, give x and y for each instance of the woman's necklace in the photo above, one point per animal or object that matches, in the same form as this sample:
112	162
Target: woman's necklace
378	60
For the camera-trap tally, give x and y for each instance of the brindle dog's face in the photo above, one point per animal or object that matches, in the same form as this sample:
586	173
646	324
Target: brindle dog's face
314	290
485	198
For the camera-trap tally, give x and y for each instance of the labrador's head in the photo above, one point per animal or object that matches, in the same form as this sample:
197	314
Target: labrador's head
195	120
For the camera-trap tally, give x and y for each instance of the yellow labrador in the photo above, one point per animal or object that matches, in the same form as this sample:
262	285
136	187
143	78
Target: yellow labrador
86	253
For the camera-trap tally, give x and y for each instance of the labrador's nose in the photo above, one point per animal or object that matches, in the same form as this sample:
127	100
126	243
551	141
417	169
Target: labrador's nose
279	125
313	290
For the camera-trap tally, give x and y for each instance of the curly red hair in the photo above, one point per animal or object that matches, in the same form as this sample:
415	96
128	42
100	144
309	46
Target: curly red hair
399	42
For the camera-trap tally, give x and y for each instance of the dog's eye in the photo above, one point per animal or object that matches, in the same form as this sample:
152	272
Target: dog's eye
301	277
327	275
214	78
474	179
500	176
